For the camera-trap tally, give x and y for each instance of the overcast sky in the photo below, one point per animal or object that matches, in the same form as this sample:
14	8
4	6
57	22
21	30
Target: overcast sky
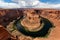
30	4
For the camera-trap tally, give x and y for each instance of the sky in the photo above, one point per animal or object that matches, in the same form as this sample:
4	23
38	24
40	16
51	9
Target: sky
51	1
30	4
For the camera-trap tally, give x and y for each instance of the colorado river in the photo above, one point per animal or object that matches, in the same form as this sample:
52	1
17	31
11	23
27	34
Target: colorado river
41	33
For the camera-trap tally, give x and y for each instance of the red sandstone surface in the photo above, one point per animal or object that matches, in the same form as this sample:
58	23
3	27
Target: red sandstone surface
8	15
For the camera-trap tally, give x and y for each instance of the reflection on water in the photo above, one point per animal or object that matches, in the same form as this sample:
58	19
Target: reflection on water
41	33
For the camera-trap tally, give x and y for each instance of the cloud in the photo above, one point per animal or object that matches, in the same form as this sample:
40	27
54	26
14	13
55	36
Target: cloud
27	4
8	5
37	4
47	5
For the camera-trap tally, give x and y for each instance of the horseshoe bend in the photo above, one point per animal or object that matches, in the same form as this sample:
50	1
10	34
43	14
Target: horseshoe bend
29	24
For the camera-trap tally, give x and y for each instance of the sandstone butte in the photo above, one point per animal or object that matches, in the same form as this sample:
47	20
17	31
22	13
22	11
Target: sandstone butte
8	15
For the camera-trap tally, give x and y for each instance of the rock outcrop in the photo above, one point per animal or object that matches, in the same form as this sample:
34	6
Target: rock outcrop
5	35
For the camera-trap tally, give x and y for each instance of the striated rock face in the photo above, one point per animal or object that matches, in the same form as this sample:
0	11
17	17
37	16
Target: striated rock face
5	35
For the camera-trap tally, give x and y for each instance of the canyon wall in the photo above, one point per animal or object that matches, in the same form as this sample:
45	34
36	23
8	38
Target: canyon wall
8	15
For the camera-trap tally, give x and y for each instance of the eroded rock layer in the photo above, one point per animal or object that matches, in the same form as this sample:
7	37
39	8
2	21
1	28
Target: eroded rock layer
8	15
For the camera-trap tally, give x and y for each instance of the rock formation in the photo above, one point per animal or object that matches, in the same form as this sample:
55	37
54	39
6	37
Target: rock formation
8	15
